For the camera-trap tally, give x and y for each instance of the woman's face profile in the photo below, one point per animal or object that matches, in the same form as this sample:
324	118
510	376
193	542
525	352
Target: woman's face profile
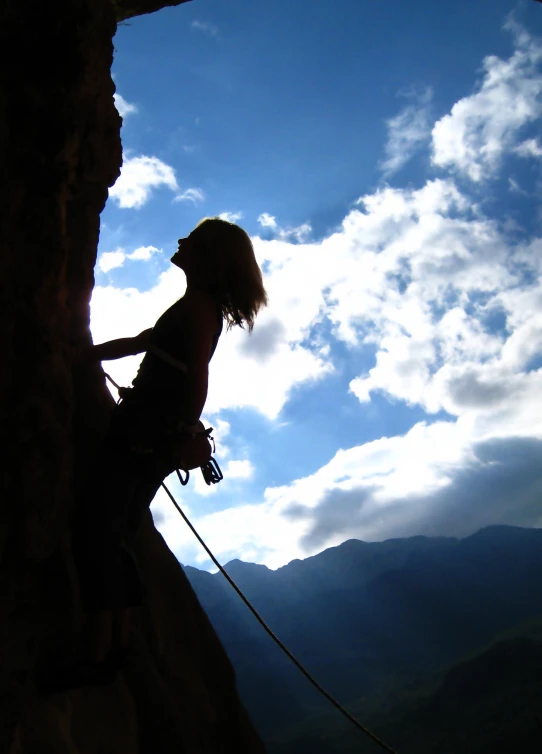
184	253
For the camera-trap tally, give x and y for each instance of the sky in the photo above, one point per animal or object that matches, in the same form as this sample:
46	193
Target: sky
386	161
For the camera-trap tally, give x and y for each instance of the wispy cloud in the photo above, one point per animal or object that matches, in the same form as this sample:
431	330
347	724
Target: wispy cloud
231	217
194	195
124	108
138	177
110	260
298	233
515	188
206	28
407	131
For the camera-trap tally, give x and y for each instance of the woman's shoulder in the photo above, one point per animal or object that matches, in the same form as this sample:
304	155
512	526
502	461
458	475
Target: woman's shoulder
200	304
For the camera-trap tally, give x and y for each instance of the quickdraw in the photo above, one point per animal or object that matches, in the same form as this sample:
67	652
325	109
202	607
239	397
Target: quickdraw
211	473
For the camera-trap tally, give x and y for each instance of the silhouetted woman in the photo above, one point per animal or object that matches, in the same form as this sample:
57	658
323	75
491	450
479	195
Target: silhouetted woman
224	283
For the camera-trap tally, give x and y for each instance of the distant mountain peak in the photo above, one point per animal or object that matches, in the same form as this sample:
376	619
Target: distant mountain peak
236	564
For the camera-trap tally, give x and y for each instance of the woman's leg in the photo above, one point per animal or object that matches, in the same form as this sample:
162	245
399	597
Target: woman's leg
106	545
122	621
101	561
98	637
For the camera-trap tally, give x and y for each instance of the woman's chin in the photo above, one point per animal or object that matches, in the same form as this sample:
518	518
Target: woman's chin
176	261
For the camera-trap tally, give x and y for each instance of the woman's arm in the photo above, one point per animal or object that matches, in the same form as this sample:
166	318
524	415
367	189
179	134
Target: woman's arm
117	349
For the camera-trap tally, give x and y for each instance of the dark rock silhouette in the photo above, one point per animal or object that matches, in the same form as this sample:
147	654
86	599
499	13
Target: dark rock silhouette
129	8
61	151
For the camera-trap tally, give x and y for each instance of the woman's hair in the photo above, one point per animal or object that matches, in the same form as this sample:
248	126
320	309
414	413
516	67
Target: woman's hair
227	265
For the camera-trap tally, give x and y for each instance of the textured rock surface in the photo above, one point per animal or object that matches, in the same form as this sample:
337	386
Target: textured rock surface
128	8
61	150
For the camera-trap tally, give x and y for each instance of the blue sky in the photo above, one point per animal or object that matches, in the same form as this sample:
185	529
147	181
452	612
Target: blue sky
386	160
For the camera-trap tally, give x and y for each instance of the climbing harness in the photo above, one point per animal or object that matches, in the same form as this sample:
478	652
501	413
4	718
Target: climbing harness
275	638
168	358
191	447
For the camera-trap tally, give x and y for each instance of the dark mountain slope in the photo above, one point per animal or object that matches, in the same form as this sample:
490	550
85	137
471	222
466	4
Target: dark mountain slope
490	703
371	615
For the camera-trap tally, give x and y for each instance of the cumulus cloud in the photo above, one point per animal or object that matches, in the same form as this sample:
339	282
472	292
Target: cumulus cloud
484	125
138	177
109	260
450	307
500	483
264	340
299	233
124	108
239	469
267	221
407	131
419	274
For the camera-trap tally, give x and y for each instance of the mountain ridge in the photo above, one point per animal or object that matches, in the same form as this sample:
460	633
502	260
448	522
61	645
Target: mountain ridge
366	615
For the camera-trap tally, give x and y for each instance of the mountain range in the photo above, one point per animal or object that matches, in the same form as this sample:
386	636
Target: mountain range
369	620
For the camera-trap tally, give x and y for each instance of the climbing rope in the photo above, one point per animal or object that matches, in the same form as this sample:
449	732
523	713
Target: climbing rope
275	638
214	474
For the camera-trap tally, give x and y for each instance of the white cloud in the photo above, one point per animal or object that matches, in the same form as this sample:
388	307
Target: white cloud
417	274
267	221
124	108
233	471
206	27
239	469
515	188
109	260
231	217
451	309
407	131
300	233
529	148
143	253
194	195
138	177
484	125
125	312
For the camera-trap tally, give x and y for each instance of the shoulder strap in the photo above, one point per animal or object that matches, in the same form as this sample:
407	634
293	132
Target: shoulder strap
172	361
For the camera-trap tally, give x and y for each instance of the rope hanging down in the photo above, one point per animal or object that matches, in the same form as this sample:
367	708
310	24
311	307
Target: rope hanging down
214	473
275	638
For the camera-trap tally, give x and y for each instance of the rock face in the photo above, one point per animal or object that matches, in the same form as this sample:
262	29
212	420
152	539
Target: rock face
129	8
61	151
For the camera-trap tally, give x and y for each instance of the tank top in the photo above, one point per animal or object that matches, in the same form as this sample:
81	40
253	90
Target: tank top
157	382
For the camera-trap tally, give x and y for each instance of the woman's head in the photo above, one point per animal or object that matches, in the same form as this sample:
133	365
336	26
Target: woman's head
219	256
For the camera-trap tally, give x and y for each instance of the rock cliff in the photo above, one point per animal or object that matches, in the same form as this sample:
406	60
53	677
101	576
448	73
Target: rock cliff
61	151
